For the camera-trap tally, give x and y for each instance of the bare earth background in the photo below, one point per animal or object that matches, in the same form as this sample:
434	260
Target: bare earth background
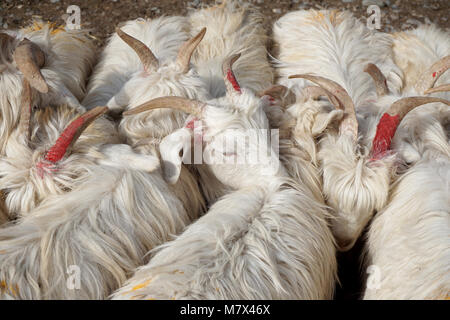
101	17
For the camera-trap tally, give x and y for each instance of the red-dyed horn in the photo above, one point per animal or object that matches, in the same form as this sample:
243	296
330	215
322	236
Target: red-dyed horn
390	120
72	132
230	80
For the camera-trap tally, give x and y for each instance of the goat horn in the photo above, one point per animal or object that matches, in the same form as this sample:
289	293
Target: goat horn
193	107
25	110
187	49
390	120
429	77
29	59
442	88
378	78
403	106
349	123
230	80
72	132
146	55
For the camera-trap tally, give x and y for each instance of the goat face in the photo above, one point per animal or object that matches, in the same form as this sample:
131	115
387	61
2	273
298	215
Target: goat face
232	134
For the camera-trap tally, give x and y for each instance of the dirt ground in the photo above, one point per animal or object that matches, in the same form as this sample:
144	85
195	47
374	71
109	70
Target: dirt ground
102	16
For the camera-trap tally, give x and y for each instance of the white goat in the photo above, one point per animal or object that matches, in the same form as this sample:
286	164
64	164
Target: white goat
408	242
54	61
91	204
267	240
335	45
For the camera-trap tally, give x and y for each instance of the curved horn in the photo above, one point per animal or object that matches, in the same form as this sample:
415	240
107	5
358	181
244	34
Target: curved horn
25	111
187	49
29	59
403	106
229	78
390	120
429	77
442	88
349	123
146	55
378	78
72	132
193	107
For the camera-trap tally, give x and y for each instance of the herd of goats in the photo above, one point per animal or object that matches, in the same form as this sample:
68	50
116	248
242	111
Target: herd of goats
100	201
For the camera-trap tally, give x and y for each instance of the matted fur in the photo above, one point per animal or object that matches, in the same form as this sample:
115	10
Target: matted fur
248	246
232	27
104	226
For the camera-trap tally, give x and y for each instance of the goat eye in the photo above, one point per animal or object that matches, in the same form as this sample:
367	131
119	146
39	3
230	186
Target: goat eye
35	107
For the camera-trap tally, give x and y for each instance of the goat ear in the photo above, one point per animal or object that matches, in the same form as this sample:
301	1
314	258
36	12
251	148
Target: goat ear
322	121
173	149
121	155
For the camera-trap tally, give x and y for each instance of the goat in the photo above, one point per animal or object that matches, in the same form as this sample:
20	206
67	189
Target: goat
54	61
355	176
94	204
408	240
409	234
267	240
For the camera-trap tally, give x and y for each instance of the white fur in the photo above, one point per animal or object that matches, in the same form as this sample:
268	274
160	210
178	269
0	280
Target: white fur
118	62
69	57
335	45
232	27
267	240
416	50
104	226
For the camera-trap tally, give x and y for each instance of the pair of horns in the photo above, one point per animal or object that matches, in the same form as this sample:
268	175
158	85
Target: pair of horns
29	59
190	106
339	97
148	59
